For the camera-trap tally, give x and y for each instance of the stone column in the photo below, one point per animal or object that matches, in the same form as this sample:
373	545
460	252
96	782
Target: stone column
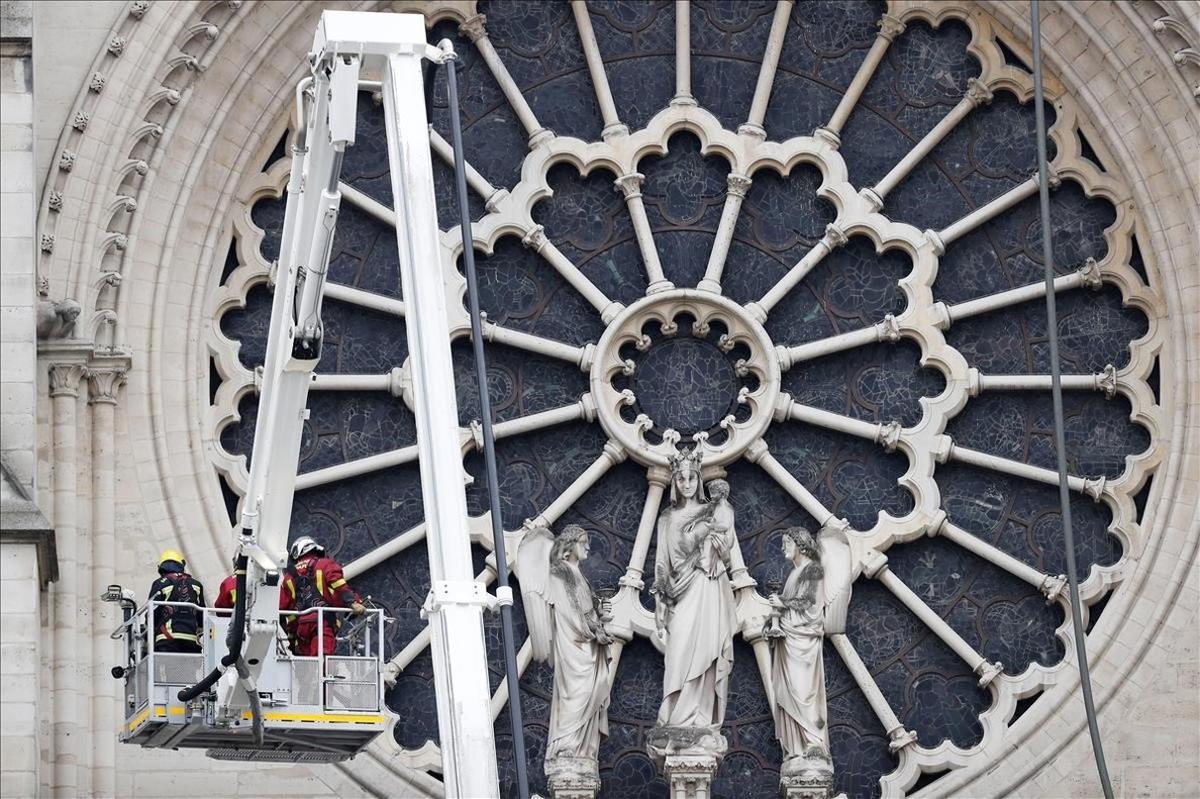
64	393
103	385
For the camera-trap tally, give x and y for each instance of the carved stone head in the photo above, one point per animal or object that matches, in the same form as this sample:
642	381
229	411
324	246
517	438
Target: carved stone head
685	477
573	540
717	490
799	539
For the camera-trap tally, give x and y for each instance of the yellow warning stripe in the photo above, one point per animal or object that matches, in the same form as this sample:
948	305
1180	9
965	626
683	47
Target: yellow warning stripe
327	718
139	719
175	711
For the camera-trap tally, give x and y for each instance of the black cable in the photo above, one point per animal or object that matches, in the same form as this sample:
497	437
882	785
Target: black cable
1064	497
237	634
489	441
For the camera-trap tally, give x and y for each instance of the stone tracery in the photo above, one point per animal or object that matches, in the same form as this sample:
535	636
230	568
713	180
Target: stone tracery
923	442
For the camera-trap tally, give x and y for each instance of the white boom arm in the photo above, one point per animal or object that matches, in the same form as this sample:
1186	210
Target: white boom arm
345	43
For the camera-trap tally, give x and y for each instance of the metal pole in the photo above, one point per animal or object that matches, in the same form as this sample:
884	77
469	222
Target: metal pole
1060	446
456	600
489	441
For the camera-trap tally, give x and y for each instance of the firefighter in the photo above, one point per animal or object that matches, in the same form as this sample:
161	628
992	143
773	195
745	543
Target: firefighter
318	582
227	592
176	629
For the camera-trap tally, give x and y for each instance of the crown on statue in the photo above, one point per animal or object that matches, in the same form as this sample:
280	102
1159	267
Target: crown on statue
685	458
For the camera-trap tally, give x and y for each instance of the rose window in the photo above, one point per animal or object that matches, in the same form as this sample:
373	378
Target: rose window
830	285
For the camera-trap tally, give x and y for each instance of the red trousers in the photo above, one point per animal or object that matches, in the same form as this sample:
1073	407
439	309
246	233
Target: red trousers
307	640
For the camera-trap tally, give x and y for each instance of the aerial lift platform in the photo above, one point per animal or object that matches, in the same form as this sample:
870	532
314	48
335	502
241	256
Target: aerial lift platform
247	696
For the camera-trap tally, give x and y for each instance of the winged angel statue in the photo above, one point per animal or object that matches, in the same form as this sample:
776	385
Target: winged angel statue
813	603
566	621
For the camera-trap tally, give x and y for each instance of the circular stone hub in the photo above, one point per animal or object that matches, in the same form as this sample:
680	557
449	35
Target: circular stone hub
685	368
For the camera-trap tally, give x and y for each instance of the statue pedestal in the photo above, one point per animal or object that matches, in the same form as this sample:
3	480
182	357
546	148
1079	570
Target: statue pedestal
689	757
572	778
806	778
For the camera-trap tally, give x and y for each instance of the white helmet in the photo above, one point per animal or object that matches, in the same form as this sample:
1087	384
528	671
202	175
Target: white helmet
302	546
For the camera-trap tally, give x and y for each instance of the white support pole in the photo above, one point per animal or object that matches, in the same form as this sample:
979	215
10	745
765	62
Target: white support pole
456	600
738	185
1050	585
580	356
584	409
886	330
947	450
944	238
657	477
612	455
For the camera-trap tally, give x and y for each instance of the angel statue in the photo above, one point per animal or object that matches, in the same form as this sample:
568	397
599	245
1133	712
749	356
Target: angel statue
694	612
813	604
566	622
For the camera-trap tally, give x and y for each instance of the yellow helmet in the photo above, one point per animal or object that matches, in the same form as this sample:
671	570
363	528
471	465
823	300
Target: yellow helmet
171	555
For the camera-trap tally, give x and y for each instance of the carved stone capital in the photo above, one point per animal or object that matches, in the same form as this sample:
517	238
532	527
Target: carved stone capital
1106	381
888	329
978	92
64	379
1090	273
104	384
874	563
630	184
474	27
738	184
535	238
988	672
834	237
890	27
572	777
900	738
752	131
935	241
889	434
1053	586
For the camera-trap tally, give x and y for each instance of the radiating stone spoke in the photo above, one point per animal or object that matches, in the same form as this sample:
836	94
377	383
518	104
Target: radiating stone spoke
630	186
595	63
364	299
474	29
943	238
738	185
524	658
947	450
394	381
612	455
354	468
758	453
832	239
1050	585
365	202
977	94
683	54
584	409
886	434
886	330
898	736
394	546
889	28
478	183
579	356
657	479
1087	275
1106	381
766	73
535	239
876	568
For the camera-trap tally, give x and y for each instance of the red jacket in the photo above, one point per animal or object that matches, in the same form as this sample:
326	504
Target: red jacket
227	593
318	580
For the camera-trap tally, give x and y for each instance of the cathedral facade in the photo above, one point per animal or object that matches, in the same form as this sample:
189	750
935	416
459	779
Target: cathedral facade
798	241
